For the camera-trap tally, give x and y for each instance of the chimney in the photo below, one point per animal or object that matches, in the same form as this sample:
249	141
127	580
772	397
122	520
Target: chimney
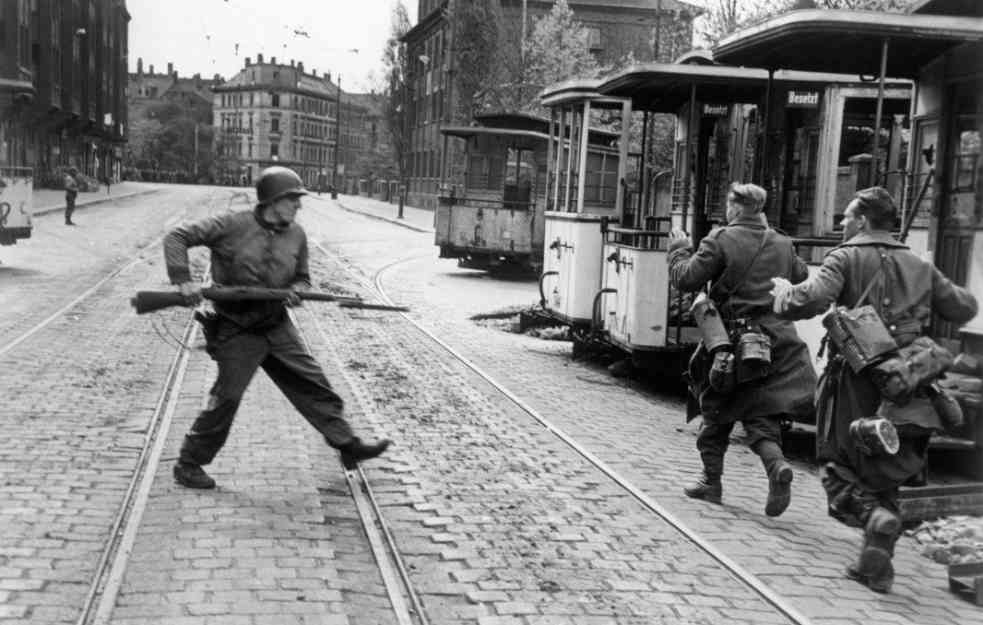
300	67
151	69
139	66
247	61
197	81
259	58
272	60
170	68
327	76
314	72
292	63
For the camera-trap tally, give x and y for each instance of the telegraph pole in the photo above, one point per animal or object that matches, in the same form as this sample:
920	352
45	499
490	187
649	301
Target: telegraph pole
337	142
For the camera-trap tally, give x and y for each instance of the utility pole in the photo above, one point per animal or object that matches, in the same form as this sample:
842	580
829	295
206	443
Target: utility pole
337	142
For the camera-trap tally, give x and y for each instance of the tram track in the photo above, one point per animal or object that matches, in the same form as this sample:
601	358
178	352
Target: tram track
752	582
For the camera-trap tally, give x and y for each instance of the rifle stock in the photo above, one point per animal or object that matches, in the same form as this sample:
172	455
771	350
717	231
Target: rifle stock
150	301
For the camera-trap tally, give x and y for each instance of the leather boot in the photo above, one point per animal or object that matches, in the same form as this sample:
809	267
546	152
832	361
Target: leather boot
356	451
779	488
779	476
707	488
874	564
192	476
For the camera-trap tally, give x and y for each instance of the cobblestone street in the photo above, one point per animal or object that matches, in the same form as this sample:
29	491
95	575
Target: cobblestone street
496	519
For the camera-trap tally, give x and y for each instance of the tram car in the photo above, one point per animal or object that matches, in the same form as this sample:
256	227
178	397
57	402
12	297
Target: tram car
584	188
490	211
812	161
16	184
16	171
940	47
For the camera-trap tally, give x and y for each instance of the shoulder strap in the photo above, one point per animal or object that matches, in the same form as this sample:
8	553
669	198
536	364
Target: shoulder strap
747	269
870	285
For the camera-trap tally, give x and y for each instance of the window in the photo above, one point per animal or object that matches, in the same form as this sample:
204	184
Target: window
594	39
518	179
601	187
274	124
274	149
275	100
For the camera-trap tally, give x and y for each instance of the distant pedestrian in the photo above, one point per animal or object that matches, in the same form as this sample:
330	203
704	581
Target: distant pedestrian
740	260
108	182
71	192
264	247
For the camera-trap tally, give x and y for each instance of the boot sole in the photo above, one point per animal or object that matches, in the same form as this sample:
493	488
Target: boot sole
875	563
780	492
196	485
710	498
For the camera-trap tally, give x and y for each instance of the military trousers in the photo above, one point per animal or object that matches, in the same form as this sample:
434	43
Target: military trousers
282	355
714	438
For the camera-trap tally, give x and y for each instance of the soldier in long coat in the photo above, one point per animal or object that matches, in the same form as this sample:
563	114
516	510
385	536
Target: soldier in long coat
906	291
740	259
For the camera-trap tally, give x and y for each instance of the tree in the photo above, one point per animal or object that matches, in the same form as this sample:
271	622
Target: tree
557	49
724	17
477	28
396	74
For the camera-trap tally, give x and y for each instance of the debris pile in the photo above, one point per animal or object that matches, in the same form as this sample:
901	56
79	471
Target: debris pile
950	540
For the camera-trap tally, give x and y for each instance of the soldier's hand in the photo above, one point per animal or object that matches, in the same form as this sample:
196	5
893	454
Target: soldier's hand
293	299
679	239
782	293
191	293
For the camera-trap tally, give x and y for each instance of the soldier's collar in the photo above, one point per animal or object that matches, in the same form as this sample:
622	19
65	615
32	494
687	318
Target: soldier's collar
877	237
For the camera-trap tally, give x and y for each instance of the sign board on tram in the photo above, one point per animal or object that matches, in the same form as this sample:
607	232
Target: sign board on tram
803	99
715	110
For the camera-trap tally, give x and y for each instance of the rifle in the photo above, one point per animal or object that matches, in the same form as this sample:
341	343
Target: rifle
913	210
149	301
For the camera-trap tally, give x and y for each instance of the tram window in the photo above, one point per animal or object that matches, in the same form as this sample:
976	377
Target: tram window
518	178
601	188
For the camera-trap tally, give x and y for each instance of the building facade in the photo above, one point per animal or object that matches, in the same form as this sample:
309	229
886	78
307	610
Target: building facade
279	114
62	86
650	30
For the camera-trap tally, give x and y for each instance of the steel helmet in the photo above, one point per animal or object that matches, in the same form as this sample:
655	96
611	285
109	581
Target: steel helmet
277	182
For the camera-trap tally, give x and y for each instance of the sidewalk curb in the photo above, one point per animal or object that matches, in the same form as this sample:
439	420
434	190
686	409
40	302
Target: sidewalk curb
102	200
391	220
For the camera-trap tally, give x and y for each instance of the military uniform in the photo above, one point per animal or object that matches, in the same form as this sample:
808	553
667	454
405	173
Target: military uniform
906	291
245	251
740	259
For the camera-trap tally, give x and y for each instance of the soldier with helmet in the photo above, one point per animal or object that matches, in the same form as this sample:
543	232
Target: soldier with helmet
263	247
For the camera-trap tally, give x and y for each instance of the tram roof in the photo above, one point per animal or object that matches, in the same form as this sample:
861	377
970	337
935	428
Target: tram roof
577	90
664	87
466	132
848	42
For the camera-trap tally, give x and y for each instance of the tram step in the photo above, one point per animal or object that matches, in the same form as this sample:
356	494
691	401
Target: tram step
966	580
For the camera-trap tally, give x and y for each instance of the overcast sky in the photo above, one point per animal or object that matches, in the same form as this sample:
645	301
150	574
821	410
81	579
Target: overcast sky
200	36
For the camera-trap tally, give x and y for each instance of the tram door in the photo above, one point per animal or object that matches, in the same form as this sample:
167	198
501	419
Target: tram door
959	251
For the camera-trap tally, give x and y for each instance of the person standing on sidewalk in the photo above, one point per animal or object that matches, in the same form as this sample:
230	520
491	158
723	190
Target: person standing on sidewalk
263	247
740	260
71	192
872	266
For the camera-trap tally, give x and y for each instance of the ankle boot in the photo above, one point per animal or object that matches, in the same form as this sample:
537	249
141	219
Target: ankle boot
707	488
356	451
874	564
779	488
192	476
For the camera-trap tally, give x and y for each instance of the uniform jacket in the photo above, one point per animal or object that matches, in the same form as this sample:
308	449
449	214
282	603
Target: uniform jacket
244	252
741	290
907	293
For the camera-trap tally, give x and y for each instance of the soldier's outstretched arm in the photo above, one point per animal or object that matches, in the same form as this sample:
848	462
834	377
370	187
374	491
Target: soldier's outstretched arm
950	301
815	295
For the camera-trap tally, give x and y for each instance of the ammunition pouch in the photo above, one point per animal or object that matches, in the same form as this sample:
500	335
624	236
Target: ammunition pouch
723	374
209	328
913	366
860	336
